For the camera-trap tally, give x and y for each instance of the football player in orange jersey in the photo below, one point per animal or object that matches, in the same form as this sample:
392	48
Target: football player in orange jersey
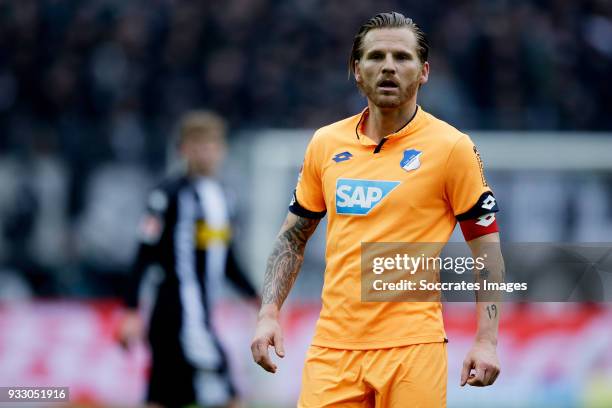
393	173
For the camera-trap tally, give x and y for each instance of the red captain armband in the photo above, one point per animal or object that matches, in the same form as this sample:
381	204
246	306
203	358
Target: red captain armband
480	219
483	225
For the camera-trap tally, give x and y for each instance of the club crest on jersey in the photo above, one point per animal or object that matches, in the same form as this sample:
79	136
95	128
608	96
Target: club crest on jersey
359	197
340	157
411	159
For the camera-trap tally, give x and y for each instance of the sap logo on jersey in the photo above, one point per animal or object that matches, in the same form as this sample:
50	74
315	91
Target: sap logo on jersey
358	197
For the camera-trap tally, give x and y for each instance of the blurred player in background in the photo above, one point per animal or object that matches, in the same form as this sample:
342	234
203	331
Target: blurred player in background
186	231
383	354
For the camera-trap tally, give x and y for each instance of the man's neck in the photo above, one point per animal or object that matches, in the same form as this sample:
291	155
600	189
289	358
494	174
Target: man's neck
383	122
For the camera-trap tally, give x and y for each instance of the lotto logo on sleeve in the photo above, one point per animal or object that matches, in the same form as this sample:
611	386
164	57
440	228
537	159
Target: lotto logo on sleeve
358	197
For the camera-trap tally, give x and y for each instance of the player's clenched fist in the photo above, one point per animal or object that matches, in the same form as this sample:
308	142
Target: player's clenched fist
268	333
482	358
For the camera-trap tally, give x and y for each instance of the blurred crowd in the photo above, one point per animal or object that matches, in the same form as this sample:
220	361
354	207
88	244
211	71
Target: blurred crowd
90	91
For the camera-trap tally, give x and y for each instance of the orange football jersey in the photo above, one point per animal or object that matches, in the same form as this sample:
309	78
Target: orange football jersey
411	187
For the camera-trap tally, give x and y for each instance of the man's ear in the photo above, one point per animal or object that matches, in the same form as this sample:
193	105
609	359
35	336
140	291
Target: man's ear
357	72
424	73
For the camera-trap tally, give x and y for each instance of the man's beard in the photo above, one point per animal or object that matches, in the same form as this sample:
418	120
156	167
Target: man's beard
391	101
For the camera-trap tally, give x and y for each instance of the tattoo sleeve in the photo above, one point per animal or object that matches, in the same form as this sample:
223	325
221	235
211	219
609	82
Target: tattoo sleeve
286	259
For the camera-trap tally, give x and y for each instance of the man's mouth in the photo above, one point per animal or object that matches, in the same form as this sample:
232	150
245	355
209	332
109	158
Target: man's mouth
387	84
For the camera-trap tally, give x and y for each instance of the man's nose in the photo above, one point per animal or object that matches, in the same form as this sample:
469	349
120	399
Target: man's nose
389	64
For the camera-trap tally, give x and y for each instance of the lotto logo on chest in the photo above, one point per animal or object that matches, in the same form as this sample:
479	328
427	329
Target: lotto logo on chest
359	197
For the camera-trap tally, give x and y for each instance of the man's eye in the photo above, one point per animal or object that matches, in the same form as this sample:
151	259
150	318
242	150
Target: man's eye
376	56
402	57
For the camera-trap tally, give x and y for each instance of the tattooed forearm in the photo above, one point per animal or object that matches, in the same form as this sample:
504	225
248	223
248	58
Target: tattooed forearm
489	294
286	259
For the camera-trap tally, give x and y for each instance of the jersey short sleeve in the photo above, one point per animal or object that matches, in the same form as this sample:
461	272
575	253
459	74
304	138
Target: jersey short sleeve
468	192
308	200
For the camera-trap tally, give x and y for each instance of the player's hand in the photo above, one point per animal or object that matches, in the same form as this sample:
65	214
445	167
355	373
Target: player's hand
131	329
482	359
268	333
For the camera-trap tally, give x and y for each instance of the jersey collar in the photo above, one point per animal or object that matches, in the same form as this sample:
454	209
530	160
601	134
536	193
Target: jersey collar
409	127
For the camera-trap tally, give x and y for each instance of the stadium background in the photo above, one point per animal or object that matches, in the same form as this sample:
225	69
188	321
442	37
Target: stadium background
89	93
